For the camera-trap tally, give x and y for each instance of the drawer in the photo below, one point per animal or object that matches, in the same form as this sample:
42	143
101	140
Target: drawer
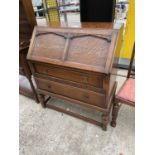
70	75
86	96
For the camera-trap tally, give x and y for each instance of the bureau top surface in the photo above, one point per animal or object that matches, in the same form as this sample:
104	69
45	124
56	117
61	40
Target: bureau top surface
82	48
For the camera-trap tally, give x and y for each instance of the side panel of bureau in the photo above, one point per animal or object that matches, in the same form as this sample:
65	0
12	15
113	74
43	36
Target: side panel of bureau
86	96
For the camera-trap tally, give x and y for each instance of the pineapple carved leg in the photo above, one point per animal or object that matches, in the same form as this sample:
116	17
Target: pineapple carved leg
34	91
105	121
115	110
42	100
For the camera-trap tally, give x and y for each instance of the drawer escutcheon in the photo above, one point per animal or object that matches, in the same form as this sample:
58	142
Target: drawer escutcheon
85	79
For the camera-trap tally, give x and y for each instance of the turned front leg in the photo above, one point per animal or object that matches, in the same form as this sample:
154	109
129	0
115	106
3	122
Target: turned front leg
105	121
115	110
42	100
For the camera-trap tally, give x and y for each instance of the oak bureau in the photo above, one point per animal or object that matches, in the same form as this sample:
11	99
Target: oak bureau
27	22
75	64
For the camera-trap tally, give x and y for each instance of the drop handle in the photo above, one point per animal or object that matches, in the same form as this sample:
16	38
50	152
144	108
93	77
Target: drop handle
86	96
49	87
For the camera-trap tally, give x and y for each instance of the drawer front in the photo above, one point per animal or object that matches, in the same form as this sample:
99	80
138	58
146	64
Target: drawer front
70	75
86	96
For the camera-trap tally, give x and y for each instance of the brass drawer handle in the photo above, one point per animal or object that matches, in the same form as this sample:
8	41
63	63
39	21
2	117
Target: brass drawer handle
49	87
86	96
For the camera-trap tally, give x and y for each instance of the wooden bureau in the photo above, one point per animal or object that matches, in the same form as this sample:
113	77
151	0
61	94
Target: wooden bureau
75	64
27	22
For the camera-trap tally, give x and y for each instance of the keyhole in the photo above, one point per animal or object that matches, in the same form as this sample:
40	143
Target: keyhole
85	79
46	71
